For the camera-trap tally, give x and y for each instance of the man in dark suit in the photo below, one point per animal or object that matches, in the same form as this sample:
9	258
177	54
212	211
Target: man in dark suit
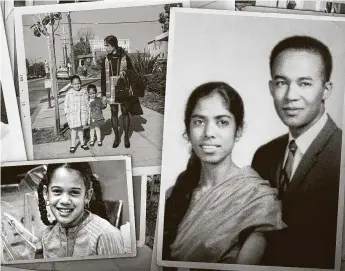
304	165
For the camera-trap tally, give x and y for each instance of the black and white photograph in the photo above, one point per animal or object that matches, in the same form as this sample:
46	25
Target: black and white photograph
11	141
70	209
104	65
311	7
252	142
146	196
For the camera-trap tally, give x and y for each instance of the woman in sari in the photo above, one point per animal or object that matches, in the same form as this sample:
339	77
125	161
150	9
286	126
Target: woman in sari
217	212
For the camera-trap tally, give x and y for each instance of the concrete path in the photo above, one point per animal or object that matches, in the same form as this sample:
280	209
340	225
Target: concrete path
146	137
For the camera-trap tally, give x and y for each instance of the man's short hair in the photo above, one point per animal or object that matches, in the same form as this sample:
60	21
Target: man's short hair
305	43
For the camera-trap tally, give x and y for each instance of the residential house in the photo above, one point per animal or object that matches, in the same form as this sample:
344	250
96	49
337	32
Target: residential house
159	46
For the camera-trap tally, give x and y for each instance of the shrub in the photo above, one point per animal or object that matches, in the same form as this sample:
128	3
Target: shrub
143	63
155	82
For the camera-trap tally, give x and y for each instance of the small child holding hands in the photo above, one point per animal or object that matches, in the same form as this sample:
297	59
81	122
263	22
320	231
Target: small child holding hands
96	118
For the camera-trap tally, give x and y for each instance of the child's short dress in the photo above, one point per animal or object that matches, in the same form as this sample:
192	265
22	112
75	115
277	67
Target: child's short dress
76	108
96	114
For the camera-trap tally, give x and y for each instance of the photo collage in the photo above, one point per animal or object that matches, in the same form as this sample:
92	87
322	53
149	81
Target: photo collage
172	135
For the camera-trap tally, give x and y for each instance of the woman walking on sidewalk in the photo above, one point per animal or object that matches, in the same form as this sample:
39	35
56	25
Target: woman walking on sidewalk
117	81
76	111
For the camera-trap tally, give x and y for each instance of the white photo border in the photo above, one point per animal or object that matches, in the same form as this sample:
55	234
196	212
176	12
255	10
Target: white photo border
9	94
129	182
20	48
143	206
162	199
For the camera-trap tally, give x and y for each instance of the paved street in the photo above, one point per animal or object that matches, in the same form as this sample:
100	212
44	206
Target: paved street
145	136
38	93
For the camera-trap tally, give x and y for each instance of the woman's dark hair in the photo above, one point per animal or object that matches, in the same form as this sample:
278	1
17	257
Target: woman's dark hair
178	202
74	77
112	41
231	98
96	205
91	86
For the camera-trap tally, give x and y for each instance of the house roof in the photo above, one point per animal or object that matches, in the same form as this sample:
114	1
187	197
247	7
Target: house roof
161	37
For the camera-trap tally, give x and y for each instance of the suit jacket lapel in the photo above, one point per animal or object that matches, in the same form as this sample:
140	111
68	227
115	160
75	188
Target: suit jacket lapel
310	157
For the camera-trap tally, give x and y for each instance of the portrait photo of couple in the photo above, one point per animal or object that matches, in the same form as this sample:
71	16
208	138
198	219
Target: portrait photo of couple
258	138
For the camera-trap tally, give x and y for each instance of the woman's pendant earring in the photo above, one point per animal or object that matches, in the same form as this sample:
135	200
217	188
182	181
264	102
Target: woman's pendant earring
47	202
87	205
190	147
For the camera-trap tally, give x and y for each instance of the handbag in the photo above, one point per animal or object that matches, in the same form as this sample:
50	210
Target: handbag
123	90
120	88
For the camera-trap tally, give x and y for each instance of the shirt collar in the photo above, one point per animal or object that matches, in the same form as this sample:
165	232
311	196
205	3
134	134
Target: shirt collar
304	140
76	228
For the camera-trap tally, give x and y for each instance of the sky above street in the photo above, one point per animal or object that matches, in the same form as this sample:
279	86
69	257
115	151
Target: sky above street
139	34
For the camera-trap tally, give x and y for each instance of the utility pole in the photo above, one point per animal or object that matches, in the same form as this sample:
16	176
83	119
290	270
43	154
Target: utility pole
46	27
71	43
63	41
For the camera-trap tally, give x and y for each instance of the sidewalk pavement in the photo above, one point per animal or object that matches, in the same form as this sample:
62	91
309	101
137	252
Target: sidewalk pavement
146	137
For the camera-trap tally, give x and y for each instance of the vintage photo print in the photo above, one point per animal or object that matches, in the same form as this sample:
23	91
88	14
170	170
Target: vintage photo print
70	209
146	190
252	142
146	195
11	141
311	7
105	65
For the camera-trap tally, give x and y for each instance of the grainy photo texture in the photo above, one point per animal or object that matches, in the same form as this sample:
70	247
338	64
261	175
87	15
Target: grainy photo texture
252	142
71	209
93	79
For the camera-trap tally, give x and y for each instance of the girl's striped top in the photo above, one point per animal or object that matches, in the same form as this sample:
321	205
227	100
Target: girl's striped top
94	236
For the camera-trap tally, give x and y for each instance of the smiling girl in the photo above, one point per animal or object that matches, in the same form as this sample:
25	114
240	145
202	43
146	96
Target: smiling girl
217	212
77	231
76	111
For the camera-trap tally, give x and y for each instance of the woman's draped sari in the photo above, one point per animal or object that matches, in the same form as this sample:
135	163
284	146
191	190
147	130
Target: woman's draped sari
210	230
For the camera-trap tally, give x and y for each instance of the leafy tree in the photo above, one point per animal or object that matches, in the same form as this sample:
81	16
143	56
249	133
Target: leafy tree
82	47
37	69
164	17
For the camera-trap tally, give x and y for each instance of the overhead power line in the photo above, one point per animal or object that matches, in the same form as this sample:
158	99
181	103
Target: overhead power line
128	22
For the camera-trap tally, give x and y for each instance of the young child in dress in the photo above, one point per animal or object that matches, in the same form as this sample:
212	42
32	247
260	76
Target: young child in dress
77	231
76	111
96	119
